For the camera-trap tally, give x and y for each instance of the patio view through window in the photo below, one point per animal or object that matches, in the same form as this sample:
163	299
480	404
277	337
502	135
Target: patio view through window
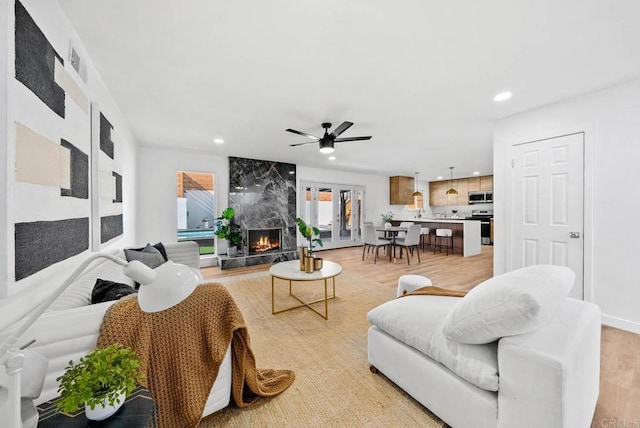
196	208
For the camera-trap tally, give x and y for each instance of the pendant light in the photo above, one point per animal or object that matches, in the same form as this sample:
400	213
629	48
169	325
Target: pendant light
416	193
451	191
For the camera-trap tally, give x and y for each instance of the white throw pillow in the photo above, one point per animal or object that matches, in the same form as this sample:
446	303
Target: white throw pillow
513	303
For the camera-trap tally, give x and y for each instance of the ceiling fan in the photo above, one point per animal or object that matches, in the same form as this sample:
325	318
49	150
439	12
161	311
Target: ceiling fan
327	141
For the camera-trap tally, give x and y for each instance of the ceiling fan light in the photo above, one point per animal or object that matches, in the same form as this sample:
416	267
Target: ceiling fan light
326	146
326	150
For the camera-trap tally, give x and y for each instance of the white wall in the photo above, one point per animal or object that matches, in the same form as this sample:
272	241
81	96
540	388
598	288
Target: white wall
610	120
157	168
157	188
30	202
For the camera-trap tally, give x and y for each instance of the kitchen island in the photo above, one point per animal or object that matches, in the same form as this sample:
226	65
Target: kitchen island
466	233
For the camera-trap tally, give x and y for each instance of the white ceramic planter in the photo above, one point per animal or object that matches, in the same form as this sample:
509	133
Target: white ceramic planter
101	412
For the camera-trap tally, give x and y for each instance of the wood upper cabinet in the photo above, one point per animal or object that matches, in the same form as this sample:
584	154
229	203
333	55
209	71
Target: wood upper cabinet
437	193
474	184
401	190
438	190
486	183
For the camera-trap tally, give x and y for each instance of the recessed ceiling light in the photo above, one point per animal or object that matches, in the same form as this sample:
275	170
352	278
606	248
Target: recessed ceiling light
502	96
476	173
218	140
332	158
440	177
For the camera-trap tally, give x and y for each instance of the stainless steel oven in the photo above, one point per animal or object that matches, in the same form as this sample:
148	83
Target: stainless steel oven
484	217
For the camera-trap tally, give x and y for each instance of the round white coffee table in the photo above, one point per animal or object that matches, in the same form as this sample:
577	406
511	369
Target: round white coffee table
290	271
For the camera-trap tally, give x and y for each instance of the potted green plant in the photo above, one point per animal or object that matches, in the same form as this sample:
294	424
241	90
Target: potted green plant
100	381
309	232
226	228
386	218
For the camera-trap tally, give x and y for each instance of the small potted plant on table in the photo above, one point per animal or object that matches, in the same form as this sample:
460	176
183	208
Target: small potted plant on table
386	218
308	232
100	381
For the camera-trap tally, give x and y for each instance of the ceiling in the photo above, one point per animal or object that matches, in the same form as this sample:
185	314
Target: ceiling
417	75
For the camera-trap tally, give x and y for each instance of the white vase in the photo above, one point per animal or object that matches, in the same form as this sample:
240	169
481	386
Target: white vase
232	251
101	412
387	225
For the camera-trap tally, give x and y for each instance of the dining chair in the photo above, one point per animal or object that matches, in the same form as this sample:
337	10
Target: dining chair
411	241
372	241
404	224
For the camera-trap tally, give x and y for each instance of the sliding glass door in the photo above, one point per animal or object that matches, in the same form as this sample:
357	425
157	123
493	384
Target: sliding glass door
336	210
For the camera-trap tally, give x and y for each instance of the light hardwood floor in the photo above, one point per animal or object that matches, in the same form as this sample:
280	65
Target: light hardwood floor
619	401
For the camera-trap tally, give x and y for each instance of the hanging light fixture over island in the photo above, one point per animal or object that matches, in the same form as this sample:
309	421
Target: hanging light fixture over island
451	190
416	193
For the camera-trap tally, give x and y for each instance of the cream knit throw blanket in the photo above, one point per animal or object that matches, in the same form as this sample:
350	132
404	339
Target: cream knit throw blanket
181	350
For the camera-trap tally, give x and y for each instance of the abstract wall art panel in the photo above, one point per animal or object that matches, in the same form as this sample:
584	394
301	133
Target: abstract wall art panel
40	244
79	172
40	160
106	145
70	87
118	187
106	178
35	61
110	227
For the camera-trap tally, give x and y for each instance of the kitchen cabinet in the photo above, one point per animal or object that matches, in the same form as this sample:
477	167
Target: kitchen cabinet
401	190
437	193
486	183
474	184
438	190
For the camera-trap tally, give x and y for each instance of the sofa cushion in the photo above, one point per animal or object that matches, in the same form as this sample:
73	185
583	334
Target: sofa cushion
105	291
417	322
149	255
513	303
160	247
79	292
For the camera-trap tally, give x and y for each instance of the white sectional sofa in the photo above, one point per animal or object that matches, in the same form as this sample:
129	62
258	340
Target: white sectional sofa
69	329
546	374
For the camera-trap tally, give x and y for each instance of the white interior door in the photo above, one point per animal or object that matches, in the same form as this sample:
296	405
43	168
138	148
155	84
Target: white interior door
547	205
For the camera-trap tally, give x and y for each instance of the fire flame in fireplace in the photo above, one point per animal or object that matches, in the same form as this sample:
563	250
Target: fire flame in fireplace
264	244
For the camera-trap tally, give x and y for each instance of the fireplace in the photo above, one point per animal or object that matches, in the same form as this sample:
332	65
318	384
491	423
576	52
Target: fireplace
261	241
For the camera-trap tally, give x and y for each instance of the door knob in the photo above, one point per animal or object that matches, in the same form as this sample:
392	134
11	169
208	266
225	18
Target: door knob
574	235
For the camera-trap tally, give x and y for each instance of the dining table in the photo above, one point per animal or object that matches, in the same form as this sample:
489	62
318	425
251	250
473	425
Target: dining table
393	232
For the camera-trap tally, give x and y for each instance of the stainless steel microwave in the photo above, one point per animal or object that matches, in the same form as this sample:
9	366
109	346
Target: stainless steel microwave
480	198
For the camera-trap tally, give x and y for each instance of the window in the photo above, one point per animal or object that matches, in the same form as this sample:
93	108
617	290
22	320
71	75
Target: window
196	208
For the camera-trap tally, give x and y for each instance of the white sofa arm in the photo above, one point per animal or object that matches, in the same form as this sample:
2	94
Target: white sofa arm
550	377
61	336
185	253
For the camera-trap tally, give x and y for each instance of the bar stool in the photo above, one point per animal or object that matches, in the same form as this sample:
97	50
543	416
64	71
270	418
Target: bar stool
447	235
424	233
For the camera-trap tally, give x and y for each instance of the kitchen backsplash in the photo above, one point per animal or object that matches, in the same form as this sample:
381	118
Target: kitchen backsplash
462	210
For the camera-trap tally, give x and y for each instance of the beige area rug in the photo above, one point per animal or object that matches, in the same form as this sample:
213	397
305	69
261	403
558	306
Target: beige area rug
333	386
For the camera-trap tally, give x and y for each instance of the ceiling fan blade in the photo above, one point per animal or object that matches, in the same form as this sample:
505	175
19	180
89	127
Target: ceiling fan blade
340	129
342	140
302	144
304	134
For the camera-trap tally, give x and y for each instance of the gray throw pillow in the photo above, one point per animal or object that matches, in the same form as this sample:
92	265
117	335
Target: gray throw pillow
149	256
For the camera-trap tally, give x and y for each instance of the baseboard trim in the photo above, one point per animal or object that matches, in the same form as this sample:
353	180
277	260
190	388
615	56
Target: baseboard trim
620	323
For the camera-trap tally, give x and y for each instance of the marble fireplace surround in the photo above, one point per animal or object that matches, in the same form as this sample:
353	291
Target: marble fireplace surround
263	195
